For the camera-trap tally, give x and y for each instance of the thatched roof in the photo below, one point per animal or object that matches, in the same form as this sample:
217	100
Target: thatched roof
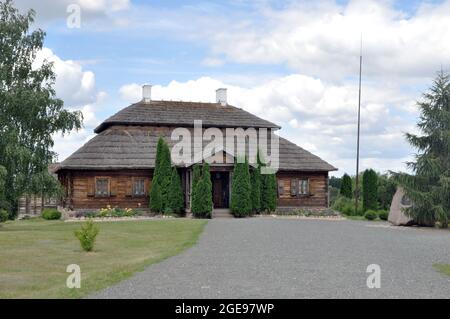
171	113
134	147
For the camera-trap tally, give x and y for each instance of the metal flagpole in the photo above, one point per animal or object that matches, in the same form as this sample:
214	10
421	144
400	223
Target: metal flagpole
359	129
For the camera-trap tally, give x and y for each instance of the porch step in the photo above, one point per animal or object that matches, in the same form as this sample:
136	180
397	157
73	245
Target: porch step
222	213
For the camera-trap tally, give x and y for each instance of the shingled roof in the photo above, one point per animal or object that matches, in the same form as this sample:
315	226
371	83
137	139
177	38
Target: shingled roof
183	114
127	147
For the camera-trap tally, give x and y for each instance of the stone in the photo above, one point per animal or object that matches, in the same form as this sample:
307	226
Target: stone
397	216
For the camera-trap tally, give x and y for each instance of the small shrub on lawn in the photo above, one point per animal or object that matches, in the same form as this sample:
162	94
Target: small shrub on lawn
3	215
86	235
371	215
51	214
347	206
383	214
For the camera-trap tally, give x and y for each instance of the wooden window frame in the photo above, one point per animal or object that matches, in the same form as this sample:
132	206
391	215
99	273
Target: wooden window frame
133	187
109	187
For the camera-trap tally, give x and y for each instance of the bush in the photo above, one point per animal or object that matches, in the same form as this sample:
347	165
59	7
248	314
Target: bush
51	214
371	215
347	206
241	202
370	190
202	203
175	196
86	235
383	214
3	216
346	186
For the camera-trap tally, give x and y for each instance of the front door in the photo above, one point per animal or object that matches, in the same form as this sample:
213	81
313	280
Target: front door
220	189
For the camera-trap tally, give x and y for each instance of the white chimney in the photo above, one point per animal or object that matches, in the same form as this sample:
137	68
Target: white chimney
147	93
221	96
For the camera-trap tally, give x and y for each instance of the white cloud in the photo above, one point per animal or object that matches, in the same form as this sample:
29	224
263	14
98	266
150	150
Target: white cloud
77	88
322	38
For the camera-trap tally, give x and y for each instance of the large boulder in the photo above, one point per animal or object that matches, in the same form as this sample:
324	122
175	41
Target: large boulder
397	216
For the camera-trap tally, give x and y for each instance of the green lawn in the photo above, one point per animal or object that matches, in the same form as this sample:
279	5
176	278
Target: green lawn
444	268
34	254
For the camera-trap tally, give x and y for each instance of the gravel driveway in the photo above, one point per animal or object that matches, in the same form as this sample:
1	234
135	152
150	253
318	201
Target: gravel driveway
295	258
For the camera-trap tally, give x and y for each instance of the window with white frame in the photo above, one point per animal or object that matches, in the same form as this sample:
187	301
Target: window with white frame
139	187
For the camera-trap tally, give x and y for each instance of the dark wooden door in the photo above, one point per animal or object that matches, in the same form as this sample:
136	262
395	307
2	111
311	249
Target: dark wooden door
217	196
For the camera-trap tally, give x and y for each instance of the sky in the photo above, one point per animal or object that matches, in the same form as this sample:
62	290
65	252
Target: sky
295	63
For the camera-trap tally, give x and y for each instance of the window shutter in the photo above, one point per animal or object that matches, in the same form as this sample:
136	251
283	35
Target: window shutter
129	186
147	185
113	187
91	186
294	187
280	187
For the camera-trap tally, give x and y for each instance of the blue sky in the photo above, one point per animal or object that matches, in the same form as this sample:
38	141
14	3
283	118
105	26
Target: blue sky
292	62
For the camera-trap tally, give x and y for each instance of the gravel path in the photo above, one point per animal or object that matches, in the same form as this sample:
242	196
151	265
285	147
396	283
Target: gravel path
289	258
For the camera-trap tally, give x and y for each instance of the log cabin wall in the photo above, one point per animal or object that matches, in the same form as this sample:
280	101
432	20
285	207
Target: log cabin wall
83	194
317	193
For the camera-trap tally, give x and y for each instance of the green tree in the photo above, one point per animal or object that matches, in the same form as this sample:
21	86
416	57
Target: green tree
241	203
161	177
201	192
3	204
269	191
386	190
45	185
428	187
256	189
370	190
346	186
30	113
176	200
207	191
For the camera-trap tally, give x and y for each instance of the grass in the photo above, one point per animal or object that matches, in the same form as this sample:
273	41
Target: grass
443	268
34	254
362	218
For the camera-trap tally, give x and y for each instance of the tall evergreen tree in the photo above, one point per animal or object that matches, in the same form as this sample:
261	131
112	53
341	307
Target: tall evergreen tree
370	190
346	186
269	192
201	192
207	192
161	177
175	199
30	112
256	189
429	187
240	203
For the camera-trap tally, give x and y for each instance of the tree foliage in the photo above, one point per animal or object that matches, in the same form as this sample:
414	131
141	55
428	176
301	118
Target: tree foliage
159	194
241	203
255	181
175	199
429	187
30	113
268	188
346	186
370	190
201	192
386	190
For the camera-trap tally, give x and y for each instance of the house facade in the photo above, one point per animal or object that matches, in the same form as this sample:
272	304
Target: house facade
116	166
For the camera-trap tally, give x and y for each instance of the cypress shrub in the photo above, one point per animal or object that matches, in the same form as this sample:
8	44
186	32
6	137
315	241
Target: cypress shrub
201	192
268	188
161	178
370	190
208	201
256	190
175	199
346	186
241	204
